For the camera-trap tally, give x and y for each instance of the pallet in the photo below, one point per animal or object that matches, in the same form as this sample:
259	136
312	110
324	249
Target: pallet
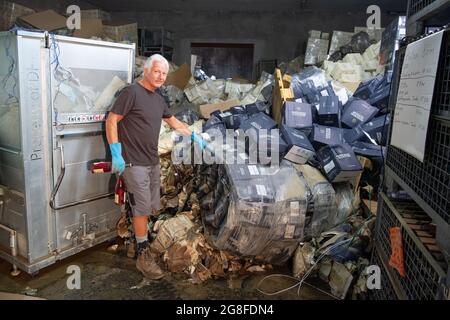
282	93
425	264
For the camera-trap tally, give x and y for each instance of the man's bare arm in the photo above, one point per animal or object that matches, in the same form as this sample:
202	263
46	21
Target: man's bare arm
176	124
111	127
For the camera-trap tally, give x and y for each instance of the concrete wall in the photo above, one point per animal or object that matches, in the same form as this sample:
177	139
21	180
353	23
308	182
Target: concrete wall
276	35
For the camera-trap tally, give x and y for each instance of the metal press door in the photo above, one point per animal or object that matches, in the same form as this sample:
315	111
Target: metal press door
85	77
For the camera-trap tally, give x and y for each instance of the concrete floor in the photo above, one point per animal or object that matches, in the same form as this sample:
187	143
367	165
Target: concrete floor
111	275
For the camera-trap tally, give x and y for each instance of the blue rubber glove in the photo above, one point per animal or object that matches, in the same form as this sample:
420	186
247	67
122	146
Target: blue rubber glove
197	138
118	163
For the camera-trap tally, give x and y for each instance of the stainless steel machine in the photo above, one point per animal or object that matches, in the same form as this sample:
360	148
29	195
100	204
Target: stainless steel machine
54	95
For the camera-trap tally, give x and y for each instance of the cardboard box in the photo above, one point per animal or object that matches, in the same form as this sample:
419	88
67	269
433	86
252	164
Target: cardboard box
180	77
121	31
380	98
45	20
322	135
351	86
314	34
329	112
238	110
299	148
369	150
316	49
96	14
89	28
377	129
233	120
262	142
368	87
357	112
352	135
259	121
207	109
298	115
258	106
10	11
339	163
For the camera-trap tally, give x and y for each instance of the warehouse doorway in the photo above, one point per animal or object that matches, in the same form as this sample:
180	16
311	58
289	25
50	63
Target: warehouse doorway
225	60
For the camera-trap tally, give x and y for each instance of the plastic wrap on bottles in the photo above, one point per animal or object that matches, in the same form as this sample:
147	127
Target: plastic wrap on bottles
203	92
316	51
339	39
346	202
236	90
174	96
323	200
188	116
266	213
360	42
292	67
256	93
199	74
308	82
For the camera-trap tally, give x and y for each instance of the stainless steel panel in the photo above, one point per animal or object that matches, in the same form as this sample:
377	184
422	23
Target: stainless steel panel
33	69
29	142
102	213
78	182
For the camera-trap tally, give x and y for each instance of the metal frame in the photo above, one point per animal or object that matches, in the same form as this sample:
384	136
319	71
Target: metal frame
414	23
413	248
164	49
31	211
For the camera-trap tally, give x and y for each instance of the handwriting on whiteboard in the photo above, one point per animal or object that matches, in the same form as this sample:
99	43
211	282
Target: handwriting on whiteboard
415	95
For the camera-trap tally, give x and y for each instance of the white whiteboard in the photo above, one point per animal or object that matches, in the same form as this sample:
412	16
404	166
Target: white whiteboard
415	95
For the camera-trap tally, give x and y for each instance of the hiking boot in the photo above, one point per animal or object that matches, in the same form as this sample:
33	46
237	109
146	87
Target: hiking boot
131	249
146	264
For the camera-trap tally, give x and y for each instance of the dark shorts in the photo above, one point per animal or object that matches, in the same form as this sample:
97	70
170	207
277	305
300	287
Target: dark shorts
143	186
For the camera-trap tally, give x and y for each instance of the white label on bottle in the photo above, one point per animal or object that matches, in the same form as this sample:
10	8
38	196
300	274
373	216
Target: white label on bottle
343	156
253	170
330	166
261	190
295	208
357	116
299	114
289	233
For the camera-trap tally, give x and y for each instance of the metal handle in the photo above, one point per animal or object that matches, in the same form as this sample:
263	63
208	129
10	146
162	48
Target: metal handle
58	184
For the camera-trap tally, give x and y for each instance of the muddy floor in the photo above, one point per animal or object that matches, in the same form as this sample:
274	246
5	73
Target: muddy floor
107	274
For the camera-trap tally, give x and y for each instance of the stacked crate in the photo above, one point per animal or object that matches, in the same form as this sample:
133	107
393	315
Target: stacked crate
424	215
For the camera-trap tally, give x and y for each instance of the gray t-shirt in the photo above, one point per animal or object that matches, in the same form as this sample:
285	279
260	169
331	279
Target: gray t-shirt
139	129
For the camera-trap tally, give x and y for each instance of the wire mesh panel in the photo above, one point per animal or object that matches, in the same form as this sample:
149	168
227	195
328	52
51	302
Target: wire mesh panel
441	98
387	291
425	277
430	180
418	5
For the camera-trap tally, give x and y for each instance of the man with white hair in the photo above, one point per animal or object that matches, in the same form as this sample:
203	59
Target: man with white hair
132	130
